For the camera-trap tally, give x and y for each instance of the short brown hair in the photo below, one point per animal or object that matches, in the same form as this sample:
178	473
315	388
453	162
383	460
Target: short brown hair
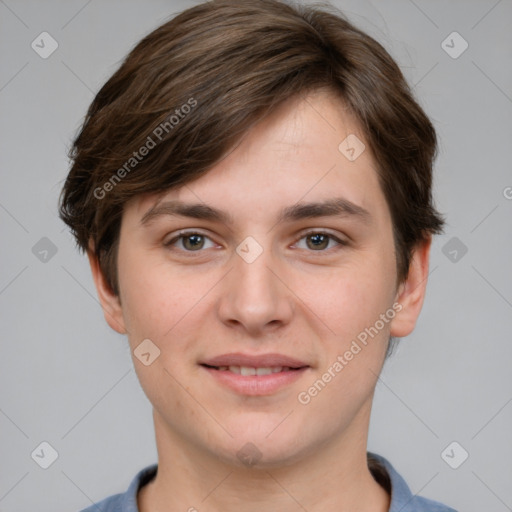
205	77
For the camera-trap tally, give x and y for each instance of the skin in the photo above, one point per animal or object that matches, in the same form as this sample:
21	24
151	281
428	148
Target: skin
294	299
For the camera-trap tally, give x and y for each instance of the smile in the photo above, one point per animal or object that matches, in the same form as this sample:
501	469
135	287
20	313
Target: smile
254	381
249	370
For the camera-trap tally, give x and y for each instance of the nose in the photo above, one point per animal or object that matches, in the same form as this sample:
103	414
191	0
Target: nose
254	297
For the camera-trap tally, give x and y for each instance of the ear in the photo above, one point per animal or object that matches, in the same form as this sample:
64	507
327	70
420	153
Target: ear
109	301
411	292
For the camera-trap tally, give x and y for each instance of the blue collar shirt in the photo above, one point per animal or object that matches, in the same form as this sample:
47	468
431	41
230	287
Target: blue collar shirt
402	499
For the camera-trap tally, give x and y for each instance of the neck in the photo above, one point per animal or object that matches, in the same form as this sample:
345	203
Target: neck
334	476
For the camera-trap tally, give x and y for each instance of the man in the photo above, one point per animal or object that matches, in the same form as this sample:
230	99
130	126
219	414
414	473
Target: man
253	190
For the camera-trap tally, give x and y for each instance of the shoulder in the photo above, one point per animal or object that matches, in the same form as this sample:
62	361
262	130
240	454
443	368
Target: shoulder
127	501
402	498
419	504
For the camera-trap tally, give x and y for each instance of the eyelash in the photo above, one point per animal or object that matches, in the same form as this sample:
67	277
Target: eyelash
185	234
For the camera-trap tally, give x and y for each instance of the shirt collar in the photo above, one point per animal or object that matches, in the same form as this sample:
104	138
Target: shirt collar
402	500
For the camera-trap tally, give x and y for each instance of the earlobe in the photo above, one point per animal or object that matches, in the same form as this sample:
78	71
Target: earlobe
411	293
109	301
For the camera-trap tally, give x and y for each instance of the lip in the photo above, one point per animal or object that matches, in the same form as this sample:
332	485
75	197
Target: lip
255	385
254	361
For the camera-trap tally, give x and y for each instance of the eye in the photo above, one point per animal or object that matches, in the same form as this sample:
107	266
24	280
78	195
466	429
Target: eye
319	240
191	241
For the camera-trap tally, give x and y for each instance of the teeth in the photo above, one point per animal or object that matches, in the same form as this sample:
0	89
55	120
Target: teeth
263	371
248	371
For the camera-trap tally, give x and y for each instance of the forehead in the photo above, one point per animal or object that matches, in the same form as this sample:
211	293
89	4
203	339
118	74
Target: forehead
308	149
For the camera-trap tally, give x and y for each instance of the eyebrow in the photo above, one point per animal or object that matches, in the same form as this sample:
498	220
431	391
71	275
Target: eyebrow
339	207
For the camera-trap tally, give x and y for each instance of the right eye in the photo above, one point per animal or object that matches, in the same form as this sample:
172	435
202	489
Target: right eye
191	241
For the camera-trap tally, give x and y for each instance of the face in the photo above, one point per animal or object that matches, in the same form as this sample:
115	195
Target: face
255	279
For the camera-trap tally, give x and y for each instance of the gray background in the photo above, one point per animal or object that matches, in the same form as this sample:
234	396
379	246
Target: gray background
67	379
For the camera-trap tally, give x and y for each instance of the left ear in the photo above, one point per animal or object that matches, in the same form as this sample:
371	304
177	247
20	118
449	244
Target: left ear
411	292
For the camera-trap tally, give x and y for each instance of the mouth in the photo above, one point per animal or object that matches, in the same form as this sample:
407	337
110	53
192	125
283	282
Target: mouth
248	362
248	371
255	375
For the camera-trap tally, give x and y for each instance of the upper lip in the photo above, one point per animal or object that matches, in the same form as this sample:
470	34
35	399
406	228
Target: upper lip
256	361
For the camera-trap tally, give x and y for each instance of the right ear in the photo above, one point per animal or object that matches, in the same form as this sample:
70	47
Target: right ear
109	301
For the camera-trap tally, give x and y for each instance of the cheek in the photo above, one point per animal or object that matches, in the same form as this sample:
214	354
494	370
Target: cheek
350	303
353	298
161	300
150	301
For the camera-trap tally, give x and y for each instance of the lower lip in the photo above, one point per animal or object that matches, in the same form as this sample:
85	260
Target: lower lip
256	385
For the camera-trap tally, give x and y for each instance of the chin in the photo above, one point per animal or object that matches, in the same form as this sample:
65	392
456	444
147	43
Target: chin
263	446
260	455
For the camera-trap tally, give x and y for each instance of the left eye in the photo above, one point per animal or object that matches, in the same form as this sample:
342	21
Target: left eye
318	240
